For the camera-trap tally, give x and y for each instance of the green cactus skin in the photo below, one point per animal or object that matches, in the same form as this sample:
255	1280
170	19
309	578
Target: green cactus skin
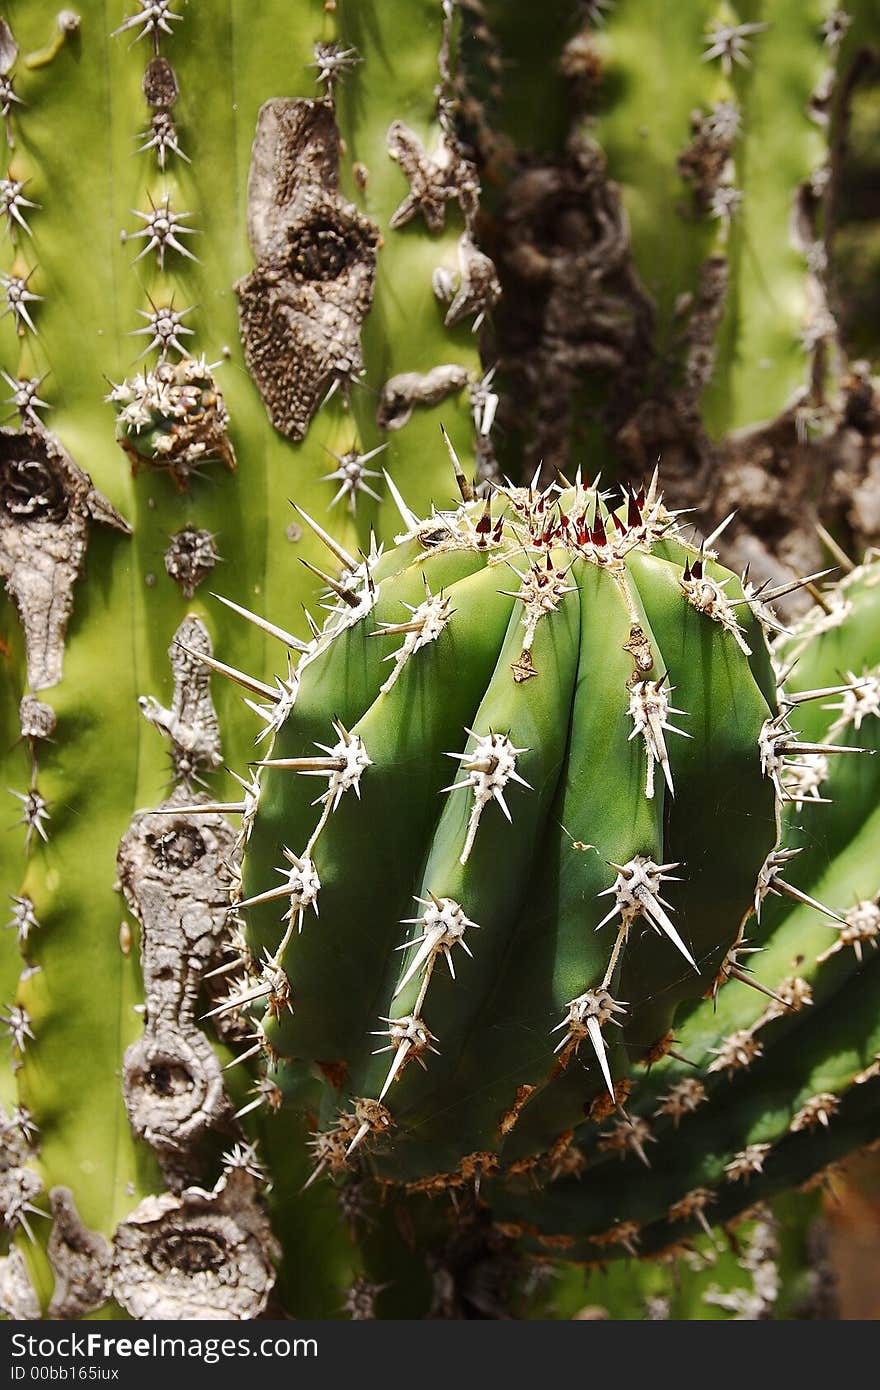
405	330
789	62
836	837
553	693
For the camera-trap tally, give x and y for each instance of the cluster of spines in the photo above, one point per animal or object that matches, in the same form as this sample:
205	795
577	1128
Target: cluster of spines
730	1184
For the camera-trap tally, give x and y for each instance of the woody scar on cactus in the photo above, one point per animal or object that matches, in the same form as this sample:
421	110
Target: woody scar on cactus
440	433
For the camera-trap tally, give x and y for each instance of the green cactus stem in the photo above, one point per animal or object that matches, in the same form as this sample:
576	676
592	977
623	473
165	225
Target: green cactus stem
157	229
660	198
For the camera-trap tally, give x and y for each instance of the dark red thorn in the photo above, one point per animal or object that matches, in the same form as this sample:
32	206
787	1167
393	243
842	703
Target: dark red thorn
484	525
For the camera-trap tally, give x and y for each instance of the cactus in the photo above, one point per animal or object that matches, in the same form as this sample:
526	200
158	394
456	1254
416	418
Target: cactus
212	306
786	1072
561	692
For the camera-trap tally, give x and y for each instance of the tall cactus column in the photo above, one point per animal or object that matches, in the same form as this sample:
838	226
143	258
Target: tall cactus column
103	761
158	231
50	510
660	200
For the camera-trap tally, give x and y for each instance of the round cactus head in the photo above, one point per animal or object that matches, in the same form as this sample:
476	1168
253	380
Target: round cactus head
512	815
173	414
